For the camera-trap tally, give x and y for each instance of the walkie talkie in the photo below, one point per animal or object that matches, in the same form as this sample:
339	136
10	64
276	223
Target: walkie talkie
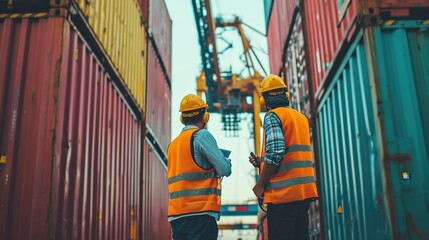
256	158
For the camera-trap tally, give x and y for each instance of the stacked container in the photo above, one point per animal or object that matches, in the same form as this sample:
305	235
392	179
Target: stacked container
158	122
73	149
368	85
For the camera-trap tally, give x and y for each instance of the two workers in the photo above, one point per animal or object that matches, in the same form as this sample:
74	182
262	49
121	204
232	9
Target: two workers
196	166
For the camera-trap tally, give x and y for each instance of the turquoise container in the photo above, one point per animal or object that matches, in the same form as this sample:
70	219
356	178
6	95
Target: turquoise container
373	132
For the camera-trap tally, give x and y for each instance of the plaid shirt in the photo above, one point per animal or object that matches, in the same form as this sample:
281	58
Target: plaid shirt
275	148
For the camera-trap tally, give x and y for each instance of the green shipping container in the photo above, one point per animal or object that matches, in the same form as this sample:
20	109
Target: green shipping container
373	137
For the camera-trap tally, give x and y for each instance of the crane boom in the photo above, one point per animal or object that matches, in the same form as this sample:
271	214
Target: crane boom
228	95
211	72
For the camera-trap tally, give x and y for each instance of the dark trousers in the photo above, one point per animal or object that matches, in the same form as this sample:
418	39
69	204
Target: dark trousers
288	221
200	227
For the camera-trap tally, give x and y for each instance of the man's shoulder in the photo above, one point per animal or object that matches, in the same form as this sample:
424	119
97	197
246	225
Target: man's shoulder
203	133
271	115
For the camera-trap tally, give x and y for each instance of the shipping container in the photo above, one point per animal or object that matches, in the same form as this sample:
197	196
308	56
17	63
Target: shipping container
119	28
160	27
331	25
295	71
70	146
274	45
158	111
30	6
279	22
370	166
155	194
373	139
144	6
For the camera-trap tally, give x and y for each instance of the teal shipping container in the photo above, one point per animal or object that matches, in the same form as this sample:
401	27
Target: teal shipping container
373	136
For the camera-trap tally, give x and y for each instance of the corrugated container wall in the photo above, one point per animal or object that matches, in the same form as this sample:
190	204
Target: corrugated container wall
281	17
70	144
295	73
155	195
30	6
158	111
160	26
274	46
399	55
119	28
331	27
371	89
353	195
328	30
373	138
144	6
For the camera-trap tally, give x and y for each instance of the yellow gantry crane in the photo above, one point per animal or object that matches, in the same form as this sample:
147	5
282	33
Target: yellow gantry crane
227	93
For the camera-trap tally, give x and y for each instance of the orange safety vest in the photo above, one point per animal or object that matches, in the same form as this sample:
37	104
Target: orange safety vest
192	188
294	179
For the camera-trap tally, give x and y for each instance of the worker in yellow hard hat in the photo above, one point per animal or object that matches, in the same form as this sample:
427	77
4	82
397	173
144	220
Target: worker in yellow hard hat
195	168
286	182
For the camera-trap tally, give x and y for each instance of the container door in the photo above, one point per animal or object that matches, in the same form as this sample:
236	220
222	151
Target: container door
402	57
350	158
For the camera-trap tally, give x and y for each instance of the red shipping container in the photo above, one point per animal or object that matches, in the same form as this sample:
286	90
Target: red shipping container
155	191
296	70
326	32
279	24
71	145
161	27
144	6
274	46
331	27
158	103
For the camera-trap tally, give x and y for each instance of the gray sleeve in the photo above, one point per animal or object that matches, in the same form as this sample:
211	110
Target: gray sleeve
207	152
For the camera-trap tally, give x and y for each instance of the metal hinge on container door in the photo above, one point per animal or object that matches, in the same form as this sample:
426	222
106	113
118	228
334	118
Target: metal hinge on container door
2	159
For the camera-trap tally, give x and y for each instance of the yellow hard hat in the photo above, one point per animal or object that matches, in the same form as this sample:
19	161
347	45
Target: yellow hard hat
272	82
192	102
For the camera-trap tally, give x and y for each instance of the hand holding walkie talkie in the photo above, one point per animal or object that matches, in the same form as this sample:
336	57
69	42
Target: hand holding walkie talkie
254	160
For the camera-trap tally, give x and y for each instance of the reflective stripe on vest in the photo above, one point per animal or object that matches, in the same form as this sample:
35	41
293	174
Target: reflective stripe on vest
192	189
194	192
191	176
289	182
298	148
294	179
295	164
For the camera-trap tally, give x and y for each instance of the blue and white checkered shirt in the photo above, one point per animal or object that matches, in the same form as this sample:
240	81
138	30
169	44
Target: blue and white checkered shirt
275	147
